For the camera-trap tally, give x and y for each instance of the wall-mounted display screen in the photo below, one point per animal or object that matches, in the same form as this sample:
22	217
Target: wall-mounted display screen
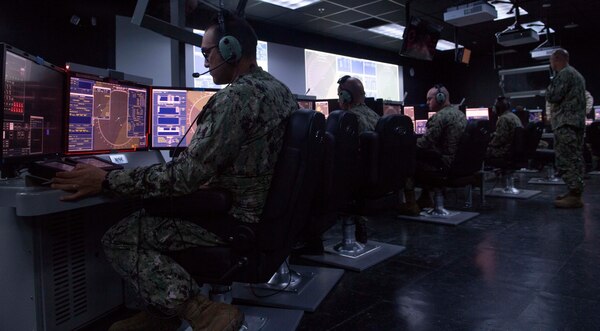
477	113
410	112
380	80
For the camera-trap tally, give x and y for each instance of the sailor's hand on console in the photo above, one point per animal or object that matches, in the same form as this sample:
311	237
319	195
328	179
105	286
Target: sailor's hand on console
83	181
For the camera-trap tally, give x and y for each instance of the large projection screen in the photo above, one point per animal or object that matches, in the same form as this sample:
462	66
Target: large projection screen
381	80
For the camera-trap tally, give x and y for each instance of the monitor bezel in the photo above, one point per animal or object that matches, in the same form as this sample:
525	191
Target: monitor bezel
11	163
150	114
72	74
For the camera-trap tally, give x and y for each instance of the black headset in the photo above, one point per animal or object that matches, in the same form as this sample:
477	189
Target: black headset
344	95
440	97
229	47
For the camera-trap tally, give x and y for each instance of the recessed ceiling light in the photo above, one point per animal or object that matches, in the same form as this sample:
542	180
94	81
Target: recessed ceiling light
445	45
391	30
571	25
291	4
505	10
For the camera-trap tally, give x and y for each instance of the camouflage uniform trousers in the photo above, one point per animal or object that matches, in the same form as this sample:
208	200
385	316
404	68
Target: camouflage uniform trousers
135	248
568	146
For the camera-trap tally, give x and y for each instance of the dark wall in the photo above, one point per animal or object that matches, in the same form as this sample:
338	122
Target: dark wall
43	28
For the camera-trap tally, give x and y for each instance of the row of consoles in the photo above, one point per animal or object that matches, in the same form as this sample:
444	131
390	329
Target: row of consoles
56	277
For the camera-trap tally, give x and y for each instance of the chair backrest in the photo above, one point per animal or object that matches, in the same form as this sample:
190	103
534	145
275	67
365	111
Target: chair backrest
593	137
340	170
533	134
293	184
471	149
523	115
518	156
387	155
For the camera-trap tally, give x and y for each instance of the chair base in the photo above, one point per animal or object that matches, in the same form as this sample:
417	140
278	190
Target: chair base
353	254
594	173
308	299
502	193
546	181
384	252
296	284
265	319
452	218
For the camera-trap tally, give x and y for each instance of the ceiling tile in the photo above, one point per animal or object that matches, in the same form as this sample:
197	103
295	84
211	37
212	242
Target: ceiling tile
321	9
348	16
318	24
380	7
266	10
351	3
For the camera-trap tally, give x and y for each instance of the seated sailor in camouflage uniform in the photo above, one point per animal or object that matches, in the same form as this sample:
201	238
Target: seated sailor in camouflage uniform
444	130
239	136
501	143
566	94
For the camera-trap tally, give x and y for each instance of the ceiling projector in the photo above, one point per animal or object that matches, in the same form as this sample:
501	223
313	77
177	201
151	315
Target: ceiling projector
517	35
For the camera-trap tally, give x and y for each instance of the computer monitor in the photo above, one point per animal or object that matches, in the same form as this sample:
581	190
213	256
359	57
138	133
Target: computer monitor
306	104
173	111
420	126
477	113
322	107
409	111
430	113
390	108
106	116
596	113
33	102
535	115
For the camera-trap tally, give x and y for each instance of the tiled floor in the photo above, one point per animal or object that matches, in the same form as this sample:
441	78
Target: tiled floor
521	265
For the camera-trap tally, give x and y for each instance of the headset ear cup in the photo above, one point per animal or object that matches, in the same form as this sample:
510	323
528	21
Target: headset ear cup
440	97
230	49
345	96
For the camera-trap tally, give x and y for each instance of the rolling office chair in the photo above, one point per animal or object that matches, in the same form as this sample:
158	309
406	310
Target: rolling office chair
256	251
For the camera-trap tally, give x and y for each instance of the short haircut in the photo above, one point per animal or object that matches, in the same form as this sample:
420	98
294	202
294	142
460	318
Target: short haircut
561	54
239	28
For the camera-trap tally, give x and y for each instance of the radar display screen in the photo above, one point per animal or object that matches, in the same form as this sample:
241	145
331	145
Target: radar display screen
106	116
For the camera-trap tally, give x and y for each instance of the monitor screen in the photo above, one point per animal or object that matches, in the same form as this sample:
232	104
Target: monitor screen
596	113
535	115
173	111
409	111
106	116
477	113
33	105
322	107
420	38
420	126
306	104
430	113
392	108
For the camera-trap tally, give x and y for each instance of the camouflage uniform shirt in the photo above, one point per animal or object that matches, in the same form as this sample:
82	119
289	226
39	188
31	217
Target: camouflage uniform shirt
501	143
444	130
367	118
567	94
237	140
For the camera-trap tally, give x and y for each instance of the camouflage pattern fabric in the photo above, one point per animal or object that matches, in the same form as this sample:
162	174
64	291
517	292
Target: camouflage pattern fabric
235	146
367	118
500	145
135	247
444	130
567	94
568	149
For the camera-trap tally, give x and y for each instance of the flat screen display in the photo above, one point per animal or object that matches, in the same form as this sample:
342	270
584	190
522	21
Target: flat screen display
430	113
106	116
596	113
410	112
322	107
477	113
33	106
174	110
306	104
390	109
420	126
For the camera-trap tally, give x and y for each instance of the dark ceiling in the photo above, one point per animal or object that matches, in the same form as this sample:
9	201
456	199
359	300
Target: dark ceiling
335	18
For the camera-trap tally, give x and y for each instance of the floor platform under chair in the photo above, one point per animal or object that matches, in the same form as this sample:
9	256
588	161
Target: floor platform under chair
314	285
265	319
377	252
453	217
500	192
546	181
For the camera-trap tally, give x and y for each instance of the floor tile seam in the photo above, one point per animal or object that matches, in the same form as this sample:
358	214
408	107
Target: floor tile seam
353	316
